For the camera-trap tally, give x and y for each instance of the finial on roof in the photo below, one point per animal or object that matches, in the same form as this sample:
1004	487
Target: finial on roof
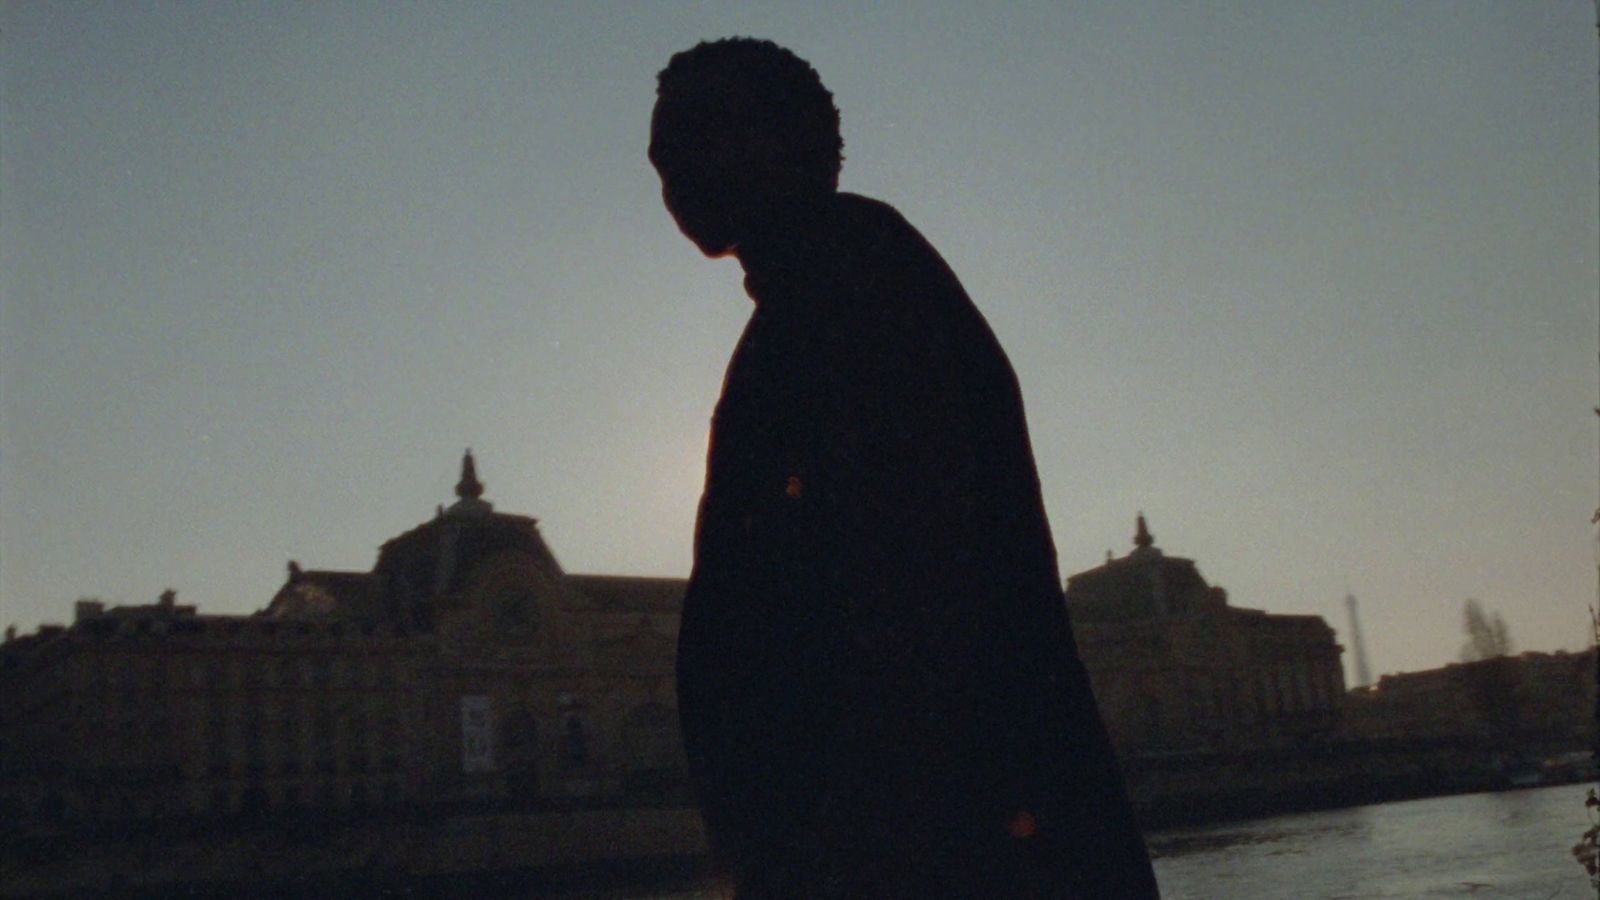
1143	538
294	571
469	488
470	491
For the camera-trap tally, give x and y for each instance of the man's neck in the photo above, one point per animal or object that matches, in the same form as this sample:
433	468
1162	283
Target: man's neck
785	235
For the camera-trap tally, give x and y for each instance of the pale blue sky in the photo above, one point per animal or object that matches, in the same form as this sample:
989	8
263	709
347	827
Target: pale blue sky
1314	285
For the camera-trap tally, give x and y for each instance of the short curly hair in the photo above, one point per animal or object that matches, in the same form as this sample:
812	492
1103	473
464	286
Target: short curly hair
752	83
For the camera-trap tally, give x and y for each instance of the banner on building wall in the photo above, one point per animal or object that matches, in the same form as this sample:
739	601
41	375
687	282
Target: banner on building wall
477	735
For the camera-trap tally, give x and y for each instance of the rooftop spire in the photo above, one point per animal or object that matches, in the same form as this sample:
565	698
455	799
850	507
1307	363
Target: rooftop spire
469	488
1143	538
1143	544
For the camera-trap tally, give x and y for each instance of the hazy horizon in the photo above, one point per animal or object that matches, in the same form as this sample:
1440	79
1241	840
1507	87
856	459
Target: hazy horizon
1313	286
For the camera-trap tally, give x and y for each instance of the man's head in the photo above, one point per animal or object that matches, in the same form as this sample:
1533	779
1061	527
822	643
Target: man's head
742	128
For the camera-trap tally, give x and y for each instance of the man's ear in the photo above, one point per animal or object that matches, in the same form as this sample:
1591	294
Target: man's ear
771	165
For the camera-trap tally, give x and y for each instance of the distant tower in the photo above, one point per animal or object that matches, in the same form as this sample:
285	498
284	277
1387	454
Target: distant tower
1363	674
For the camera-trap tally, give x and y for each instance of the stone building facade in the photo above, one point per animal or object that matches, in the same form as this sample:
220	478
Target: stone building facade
1542	702
465	669
1176	669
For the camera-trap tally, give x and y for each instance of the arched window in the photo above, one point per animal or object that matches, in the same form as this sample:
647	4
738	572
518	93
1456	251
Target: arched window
574	741
1154	721
519	742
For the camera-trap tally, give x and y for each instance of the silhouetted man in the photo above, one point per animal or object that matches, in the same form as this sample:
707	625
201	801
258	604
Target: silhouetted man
877	681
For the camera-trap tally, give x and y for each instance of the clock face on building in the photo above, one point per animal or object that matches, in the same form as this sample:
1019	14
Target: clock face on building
508	597
516	609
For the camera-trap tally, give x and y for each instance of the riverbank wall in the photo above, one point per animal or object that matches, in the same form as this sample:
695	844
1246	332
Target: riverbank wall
462	854
1198	788
488	853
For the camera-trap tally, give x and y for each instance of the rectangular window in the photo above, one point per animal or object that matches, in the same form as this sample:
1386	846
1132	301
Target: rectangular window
217	741
477	735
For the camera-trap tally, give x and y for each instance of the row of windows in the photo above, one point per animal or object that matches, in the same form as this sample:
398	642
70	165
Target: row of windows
267	796
1289	689
648	735
125	803
304	743
105	626
134	675
221	766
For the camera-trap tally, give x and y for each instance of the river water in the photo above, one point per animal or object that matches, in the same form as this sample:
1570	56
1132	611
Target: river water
1514	844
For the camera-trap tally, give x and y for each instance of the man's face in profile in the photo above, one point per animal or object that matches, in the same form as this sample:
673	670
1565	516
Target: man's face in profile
720	180
700	174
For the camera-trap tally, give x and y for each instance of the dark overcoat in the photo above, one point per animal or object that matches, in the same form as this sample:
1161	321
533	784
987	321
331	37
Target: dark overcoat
878	685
